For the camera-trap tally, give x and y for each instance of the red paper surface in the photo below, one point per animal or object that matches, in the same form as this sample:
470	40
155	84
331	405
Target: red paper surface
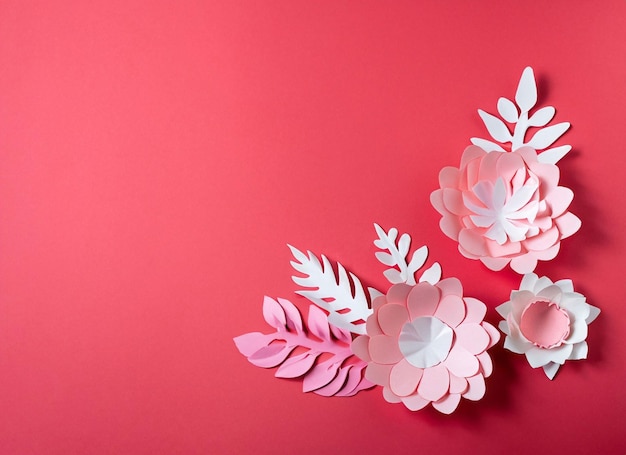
156	157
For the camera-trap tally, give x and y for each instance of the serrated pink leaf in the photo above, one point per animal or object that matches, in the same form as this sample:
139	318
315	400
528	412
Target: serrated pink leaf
335	385
341	334
356	381
318	323
320	337
273	313
270	356
296	366
352	381
294	320
250	343
362	384
319	376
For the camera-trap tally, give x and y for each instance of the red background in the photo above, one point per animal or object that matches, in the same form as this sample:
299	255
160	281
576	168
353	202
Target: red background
156	157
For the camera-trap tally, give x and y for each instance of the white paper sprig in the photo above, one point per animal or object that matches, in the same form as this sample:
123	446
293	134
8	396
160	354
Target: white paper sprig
519	115
395	254
342	296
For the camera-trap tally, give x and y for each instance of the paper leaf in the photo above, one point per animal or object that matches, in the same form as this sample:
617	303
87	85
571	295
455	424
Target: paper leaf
273	313
526	95
507	110
396	256
522	119
271	355
293	318
342	295
496	127
547	136
486	145
553	155
542	117
340	374
296	366
318	323
432	275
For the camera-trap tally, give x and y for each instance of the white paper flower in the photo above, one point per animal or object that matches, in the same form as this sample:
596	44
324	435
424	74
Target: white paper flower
547	322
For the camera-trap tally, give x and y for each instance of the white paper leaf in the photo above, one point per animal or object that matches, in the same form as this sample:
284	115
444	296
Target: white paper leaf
432	275
394	276
385	258
404	244
495	126
418	259
342	296
553	155
486	145
547	136
526	95
395	256
542	117
507	110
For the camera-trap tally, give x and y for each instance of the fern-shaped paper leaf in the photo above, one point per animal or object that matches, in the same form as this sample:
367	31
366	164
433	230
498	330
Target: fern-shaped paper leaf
340	374
342	295
395	255
519	115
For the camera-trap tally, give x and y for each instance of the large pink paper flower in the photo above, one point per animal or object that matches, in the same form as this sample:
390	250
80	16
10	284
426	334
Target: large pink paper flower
547	322
427	344
505	208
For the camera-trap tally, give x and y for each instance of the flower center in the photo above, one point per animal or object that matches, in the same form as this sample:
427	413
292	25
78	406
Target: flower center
544	324
425	341
507	210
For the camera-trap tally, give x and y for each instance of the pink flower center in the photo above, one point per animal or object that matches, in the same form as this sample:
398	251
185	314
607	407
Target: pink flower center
425	342
545	324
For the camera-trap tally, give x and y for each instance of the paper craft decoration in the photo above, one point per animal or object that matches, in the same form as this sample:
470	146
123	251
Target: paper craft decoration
503	204
427	344
340	374
422	341
547	322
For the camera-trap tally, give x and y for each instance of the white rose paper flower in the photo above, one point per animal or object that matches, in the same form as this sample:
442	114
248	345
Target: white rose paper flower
547	322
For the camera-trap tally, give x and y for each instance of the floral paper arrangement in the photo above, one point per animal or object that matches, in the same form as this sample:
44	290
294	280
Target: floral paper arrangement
423	341
506	208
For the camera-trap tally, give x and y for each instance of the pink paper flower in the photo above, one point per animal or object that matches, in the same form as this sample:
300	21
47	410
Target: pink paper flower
547	322
427	344
505	208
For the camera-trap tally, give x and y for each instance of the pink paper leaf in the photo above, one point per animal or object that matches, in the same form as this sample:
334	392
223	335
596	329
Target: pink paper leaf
273	313
318	323
251	342
321	375
294	320
296	366
296	350
271	355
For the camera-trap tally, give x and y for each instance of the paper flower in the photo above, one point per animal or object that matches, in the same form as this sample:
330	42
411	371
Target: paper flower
547	322
505	208
427	344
